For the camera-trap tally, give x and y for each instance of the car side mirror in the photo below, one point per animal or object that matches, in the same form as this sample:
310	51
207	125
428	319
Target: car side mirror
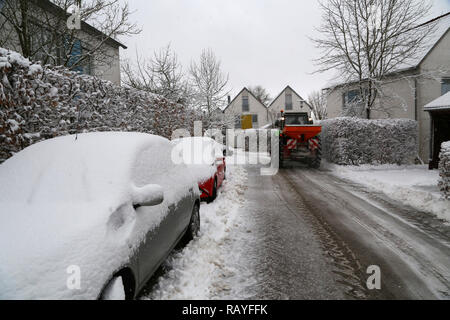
224	152
148	196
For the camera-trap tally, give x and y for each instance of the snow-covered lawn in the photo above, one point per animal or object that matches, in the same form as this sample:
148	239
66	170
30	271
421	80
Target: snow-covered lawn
213	265
413	185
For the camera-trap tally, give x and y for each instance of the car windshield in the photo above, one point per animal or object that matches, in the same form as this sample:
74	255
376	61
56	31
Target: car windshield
296	119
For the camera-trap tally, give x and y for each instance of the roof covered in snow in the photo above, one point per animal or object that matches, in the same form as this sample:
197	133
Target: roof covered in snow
282	91
441	28
441	103
52	7
249	92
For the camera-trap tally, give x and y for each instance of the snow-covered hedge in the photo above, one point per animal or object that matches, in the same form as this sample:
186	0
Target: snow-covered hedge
444	169
354	141
38	102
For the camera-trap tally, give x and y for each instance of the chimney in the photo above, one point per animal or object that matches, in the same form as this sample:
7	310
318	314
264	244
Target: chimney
229	99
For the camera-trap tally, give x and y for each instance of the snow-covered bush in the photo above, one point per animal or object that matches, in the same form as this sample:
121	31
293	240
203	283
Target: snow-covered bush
354	141
444	169
38	102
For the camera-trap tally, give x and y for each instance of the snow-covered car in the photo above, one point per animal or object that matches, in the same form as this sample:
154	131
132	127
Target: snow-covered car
91	216
206	157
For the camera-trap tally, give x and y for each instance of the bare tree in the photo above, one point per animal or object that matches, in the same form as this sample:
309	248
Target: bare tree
365	40
41	32
318	105
163	75
261	94
209	82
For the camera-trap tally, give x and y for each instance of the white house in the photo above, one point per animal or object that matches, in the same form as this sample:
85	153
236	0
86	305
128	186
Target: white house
41	15
289	101
408	89
246	104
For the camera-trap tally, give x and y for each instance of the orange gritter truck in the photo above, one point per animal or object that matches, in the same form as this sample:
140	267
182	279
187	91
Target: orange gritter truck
299	139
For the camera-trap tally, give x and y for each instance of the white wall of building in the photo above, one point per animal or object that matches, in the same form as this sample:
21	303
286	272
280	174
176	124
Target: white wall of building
279	103
255	108
403	99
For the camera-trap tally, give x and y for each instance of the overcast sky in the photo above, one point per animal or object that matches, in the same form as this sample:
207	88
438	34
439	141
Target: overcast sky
261	42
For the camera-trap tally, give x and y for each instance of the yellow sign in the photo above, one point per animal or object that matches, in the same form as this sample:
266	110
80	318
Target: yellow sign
246	121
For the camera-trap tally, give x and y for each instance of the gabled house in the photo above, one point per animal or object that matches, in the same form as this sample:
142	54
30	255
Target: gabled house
289	101
248	111
45	20
406	90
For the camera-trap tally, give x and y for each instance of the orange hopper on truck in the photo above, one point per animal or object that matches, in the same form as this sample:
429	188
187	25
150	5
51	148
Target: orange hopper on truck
299	139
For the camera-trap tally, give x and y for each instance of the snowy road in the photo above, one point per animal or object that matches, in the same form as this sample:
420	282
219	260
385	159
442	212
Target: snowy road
306	234
358	228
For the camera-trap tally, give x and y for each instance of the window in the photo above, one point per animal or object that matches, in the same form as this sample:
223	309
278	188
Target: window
237	123
353	103
445	86
75	54
255	118
296	119
245	106
288	101
351	97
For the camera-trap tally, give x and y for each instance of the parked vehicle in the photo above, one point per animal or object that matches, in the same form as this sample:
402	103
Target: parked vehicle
299	139
92	216
204	154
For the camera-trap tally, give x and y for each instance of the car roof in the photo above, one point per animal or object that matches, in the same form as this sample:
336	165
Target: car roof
73	167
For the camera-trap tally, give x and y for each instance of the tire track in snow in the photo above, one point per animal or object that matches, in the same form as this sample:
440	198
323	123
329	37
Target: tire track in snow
346	265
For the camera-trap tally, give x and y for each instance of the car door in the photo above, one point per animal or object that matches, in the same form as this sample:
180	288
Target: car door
165	221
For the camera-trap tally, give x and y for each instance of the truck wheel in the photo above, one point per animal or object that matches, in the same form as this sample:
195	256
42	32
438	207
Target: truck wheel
315	163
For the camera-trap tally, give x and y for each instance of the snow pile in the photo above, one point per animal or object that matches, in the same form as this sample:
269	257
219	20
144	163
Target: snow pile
38	103
444	169
354	141
413	185
209	267
68	202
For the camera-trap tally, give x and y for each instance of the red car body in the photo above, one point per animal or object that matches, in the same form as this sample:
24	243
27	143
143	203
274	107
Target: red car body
207	187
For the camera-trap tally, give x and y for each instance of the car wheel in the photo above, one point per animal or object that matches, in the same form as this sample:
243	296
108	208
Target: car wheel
115	290
214	192
194	224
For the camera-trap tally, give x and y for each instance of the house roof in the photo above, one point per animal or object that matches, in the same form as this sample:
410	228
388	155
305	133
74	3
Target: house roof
243	89
287	87
50	6
441	103
442	27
